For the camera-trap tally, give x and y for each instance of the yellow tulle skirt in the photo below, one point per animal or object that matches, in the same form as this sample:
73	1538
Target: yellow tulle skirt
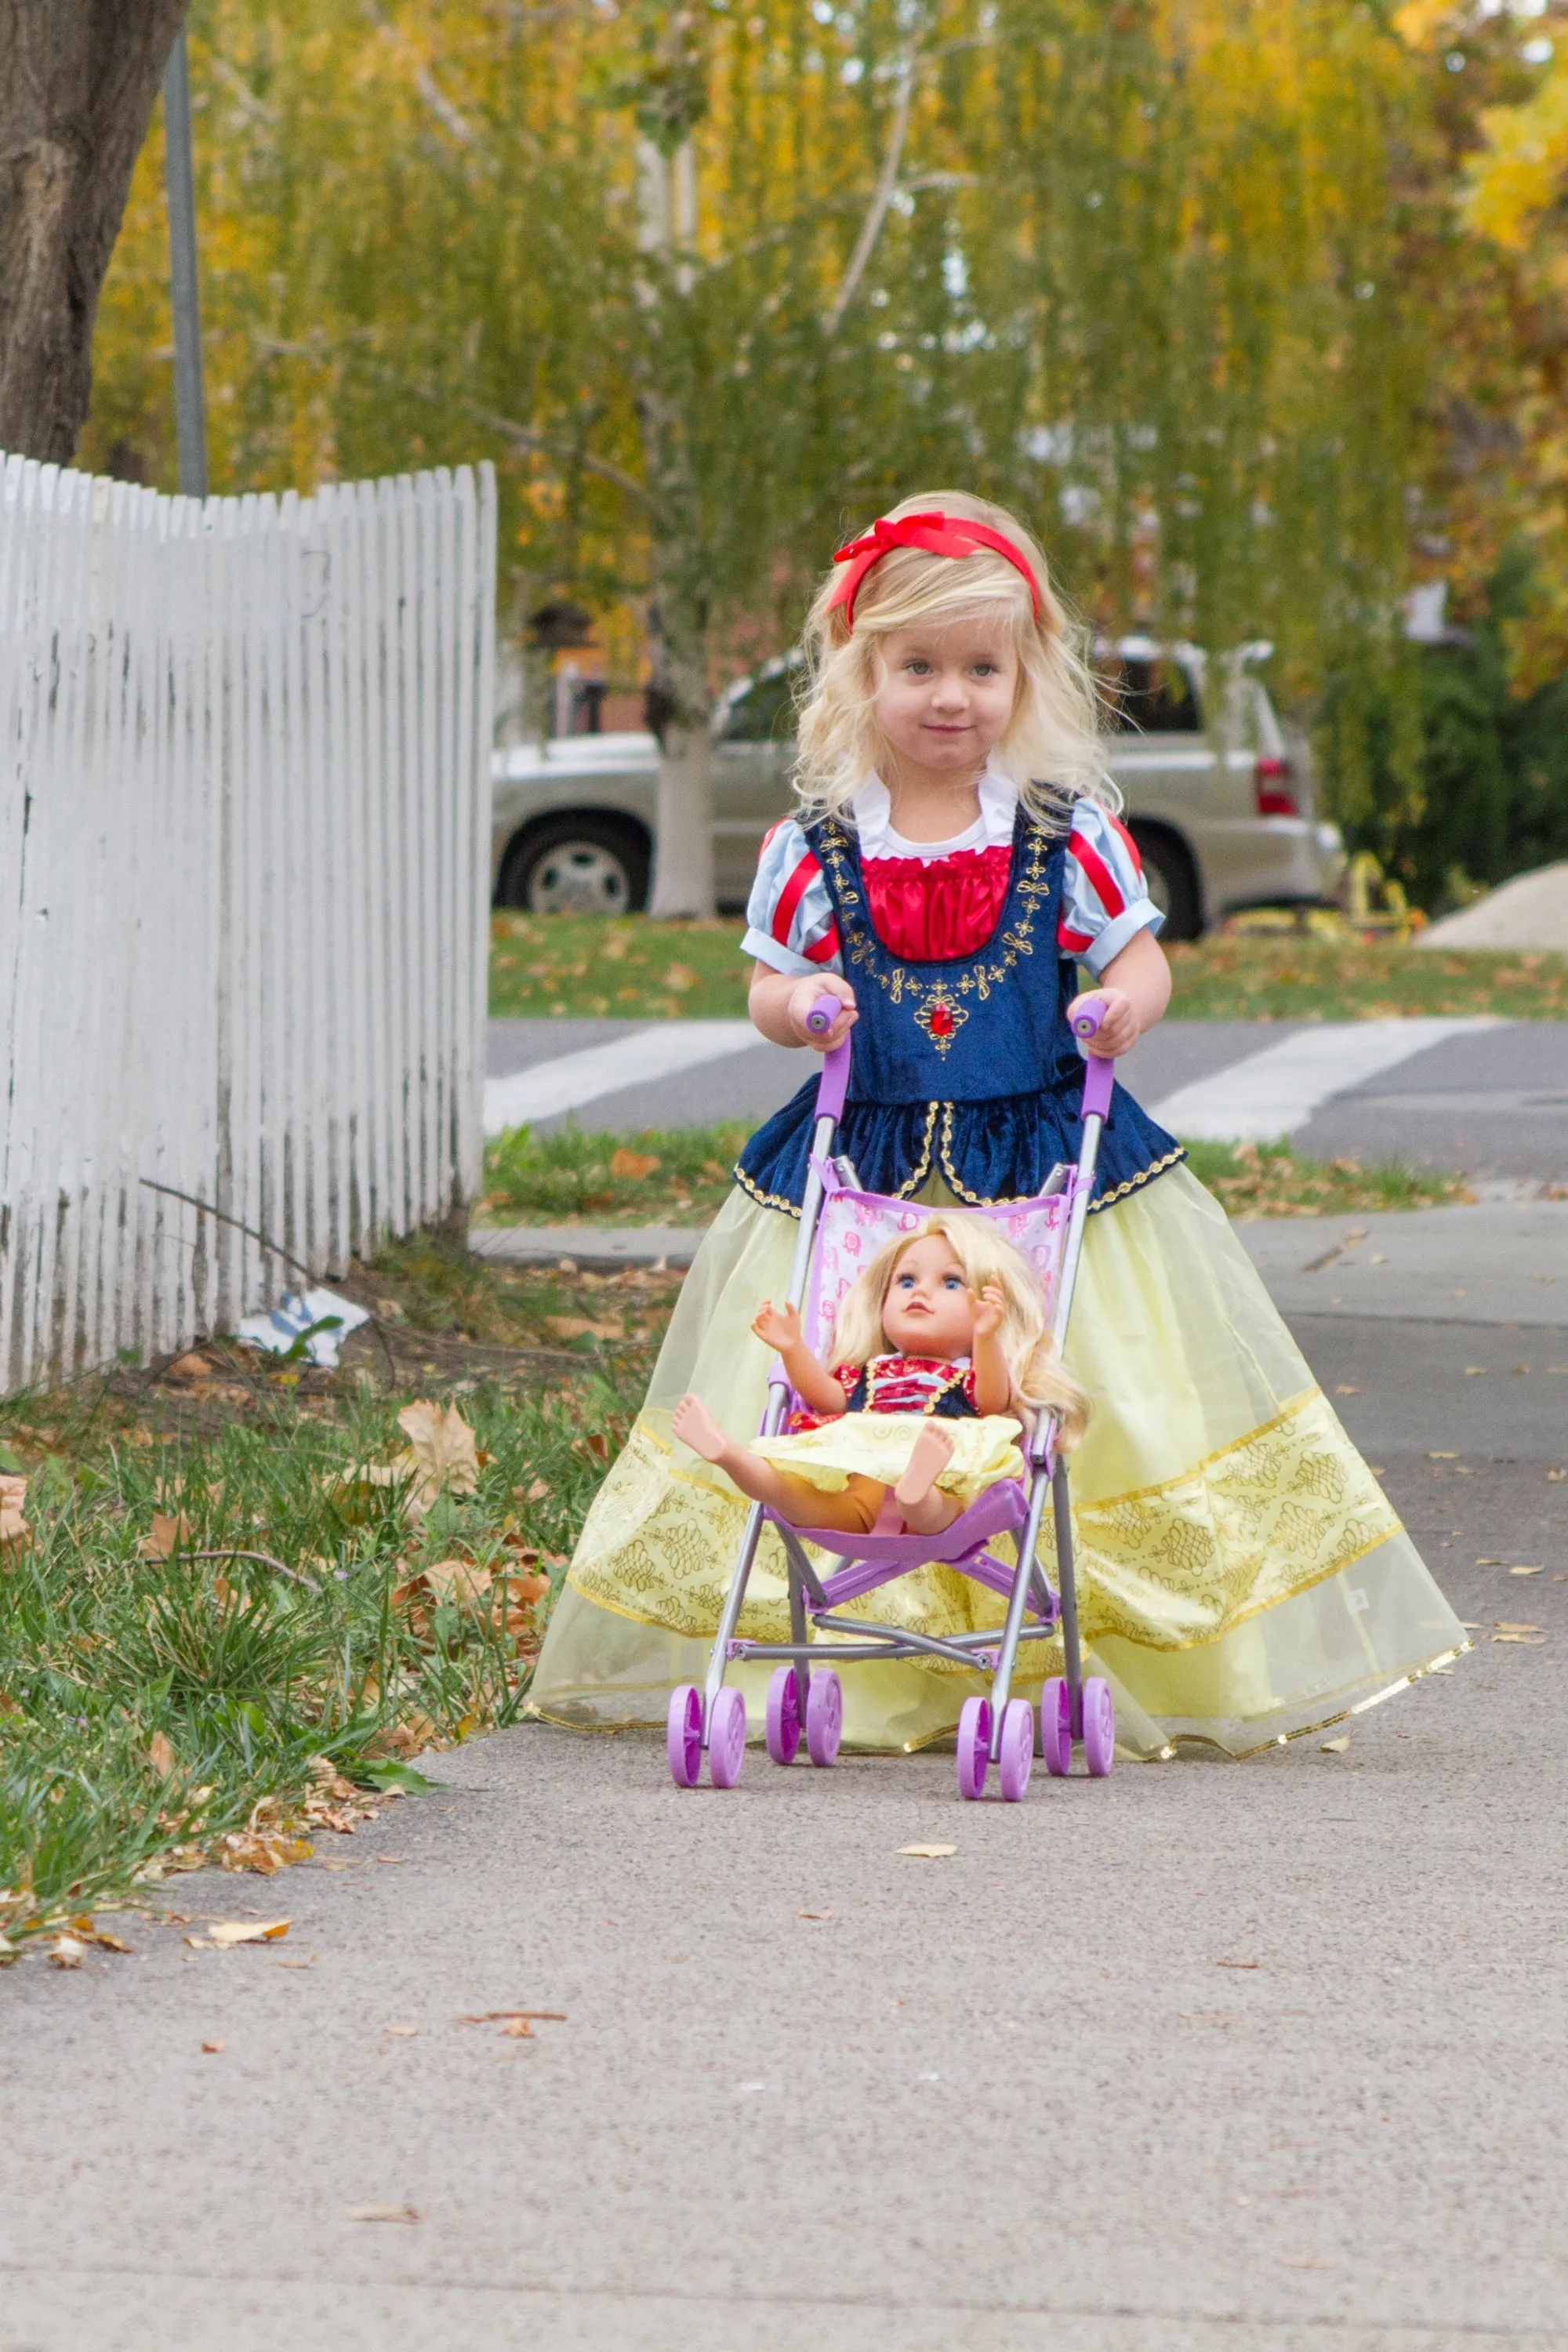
878	1445
1242	1579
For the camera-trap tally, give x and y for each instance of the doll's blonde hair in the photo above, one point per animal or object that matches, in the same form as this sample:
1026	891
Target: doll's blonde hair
986	1254
1053	746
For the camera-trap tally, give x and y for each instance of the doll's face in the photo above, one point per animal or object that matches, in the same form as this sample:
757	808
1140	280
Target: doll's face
929	1311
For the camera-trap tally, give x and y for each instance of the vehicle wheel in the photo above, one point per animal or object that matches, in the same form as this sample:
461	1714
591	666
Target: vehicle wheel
783	1716
727	1738
1055	1727
1017	1748
974	1746
576	865
1173	882
683	1736
1099	1727
824	1715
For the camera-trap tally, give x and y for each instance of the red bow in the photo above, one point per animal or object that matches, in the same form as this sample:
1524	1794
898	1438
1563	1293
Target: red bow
937	534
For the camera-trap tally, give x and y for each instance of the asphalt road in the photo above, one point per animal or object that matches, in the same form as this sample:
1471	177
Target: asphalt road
1263	2056
1492	1101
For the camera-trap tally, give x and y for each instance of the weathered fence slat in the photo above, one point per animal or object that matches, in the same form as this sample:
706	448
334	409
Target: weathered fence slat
244	850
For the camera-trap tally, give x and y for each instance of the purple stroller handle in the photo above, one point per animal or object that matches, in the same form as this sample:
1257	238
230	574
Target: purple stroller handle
1099	1072
835	1081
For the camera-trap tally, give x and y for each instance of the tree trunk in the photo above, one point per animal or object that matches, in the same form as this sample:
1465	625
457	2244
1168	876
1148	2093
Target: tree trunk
683	855
77	78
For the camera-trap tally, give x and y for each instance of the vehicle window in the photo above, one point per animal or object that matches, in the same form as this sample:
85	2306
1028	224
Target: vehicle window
766	715
1152	697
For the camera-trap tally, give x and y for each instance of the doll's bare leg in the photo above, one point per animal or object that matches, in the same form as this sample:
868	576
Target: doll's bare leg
926	1510
851	1511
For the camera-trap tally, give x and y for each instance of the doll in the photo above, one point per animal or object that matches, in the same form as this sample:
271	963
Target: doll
941	1348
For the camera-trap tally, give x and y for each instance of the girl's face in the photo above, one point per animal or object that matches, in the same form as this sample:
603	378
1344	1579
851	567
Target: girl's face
928	1310
944	696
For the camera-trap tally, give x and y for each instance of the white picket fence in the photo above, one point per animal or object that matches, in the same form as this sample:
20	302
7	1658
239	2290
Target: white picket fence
245	790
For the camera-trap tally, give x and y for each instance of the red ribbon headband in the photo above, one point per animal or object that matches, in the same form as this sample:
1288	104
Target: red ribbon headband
937	534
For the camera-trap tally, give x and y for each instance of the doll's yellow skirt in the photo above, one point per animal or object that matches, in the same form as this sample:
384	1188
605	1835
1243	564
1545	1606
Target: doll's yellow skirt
1242	1578
878	1445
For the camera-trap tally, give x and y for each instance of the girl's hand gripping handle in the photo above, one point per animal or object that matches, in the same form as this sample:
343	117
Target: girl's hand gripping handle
1099	1070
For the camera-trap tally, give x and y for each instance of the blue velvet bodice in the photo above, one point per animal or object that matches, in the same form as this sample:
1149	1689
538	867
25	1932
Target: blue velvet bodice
965	1069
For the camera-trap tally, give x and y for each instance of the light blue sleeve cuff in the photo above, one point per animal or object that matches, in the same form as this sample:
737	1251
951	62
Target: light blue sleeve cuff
1144	917
768	951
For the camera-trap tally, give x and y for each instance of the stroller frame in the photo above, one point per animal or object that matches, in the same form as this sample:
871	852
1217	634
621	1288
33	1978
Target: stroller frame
805	1694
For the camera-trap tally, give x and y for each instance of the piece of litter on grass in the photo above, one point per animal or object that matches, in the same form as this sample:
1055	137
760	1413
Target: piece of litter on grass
1238	1964
323	1314
407	2030
211	2047
227	1932
1336	1747
929	1853
383	2213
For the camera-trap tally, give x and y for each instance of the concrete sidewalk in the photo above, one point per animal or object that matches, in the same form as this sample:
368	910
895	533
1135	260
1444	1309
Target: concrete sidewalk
1203	2056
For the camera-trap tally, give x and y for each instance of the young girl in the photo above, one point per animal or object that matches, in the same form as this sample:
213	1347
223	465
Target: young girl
941	1348
952	855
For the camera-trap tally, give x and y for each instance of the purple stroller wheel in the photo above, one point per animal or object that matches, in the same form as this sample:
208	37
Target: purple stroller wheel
974	1746
824	1715
783	1716
727	1738
683	1736
1055	1727
1099	1727
1013	1766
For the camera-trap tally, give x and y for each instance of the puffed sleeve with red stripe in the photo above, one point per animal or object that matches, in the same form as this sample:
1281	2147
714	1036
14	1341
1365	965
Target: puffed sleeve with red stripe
789	915
1105	900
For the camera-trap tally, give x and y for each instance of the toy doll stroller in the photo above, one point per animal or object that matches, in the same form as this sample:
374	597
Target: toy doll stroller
840	1226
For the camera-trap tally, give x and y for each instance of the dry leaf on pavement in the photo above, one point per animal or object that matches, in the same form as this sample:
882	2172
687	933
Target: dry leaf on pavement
227	1932
212	2048
68	1952
929	1853
383	2213
1336	1747
406	2031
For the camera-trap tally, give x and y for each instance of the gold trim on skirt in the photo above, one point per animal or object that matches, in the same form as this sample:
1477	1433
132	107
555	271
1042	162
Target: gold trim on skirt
1242	1579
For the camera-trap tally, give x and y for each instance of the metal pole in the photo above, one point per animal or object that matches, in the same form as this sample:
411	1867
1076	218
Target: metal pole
190	411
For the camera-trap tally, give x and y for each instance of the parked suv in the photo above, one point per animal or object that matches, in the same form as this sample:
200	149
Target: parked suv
1220	804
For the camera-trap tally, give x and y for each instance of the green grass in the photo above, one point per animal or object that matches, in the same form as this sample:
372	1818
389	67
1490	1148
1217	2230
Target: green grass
150	1707
636	970
564	1177
1271	1181
677	1176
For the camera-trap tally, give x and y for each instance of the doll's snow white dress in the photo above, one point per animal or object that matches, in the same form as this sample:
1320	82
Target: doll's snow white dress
1241	1576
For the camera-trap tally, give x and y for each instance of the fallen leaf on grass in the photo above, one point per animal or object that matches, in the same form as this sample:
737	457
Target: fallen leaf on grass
573	1327
632	1165
1336	1747
15	1532
170	1533
383	2213
160	1756
442	1453
212	2048
929	1853
189	1368
225	1933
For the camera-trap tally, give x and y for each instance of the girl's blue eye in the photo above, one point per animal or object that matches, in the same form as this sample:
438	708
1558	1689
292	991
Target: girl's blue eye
953	1282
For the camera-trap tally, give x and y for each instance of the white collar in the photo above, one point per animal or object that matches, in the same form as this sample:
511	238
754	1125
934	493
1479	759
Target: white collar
871	808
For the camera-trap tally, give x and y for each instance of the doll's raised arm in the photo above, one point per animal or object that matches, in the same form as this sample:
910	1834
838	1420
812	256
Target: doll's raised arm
993	1372
779	1327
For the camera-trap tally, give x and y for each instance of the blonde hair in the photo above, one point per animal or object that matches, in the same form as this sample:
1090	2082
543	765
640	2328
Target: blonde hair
1053	746
986	1255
